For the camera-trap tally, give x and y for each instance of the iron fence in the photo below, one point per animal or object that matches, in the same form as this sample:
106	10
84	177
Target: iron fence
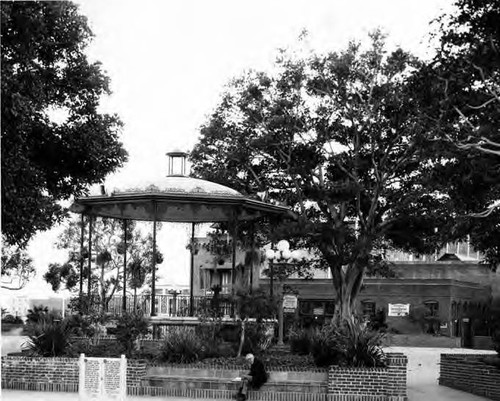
170	305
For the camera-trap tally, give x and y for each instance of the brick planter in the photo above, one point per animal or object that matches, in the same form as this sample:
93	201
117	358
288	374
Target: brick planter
54	374
466	372
41	374
336	384
370	384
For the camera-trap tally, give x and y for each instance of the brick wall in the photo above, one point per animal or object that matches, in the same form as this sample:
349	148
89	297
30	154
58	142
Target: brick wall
396	376
467	373
19	372
54	374
136	370
370	384
61	374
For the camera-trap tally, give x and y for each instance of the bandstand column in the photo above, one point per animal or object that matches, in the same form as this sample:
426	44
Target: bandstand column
252	264
82	233
89	267
234	235
191	269
124	300
153	264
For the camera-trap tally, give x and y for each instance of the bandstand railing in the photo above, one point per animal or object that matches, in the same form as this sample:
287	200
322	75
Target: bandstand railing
170	305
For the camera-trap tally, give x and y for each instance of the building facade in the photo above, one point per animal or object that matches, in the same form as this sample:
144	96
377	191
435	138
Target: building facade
439	294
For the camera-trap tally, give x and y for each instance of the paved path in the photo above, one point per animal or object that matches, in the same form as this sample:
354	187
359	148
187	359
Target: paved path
423	373
12	341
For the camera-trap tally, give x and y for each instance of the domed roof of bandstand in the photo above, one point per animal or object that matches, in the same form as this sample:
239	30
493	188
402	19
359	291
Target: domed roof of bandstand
178	198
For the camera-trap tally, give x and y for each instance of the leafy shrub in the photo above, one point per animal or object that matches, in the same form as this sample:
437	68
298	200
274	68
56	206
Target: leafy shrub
351	345
181	346
255	336
49	339
362	346
80	325
209	333
300	341
378	322
105	349
327	347
37	314
129	328
223	350
9	319
79	346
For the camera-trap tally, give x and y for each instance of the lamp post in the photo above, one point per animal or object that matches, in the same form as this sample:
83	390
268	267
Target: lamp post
173	309
282	257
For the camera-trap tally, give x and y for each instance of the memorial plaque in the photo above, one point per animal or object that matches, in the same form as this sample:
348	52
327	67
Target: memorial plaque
92	377
103	378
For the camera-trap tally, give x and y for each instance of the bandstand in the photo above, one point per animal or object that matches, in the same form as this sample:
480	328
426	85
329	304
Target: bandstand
177	198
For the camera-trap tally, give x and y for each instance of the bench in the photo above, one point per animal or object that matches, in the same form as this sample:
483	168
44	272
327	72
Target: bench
218	383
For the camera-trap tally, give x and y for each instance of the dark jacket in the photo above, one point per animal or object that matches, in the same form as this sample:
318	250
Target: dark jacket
258	373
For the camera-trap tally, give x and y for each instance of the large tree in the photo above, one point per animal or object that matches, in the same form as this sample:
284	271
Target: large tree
55	142
460	94
339	138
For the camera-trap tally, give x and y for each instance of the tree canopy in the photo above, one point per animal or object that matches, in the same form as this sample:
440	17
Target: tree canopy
17	268
46	73
460	93
339	138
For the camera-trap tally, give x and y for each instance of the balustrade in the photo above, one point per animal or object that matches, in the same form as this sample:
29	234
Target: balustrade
170	305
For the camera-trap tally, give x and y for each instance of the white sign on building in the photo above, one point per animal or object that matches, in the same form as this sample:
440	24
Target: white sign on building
102	378
398	310
289	303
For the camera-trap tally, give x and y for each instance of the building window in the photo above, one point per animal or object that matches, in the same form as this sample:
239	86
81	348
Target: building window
315	312
368	309
432	308
316	308
225	278
454	313
203	279
305	308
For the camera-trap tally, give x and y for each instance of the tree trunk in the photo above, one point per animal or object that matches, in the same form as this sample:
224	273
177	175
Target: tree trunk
347	279
347	282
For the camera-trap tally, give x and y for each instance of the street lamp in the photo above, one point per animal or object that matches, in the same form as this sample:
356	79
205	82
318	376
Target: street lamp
282	256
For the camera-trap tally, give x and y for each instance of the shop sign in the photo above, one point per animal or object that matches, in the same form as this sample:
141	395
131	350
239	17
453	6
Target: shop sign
289	303
398	310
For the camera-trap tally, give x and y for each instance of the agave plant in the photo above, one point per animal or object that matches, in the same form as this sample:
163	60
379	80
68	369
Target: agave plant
49	338
363	346
352	345
327	347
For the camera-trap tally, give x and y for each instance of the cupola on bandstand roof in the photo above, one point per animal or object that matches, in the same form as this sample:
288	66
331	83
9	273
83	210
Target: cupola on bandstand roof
179	199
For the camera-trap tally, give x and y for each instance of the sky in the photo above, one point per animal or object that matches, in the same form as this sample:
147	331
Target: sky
169	61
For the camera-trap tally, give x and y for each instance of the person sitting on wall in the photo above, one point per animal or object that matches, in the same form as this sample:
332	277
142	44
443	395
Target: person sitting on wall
254	379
